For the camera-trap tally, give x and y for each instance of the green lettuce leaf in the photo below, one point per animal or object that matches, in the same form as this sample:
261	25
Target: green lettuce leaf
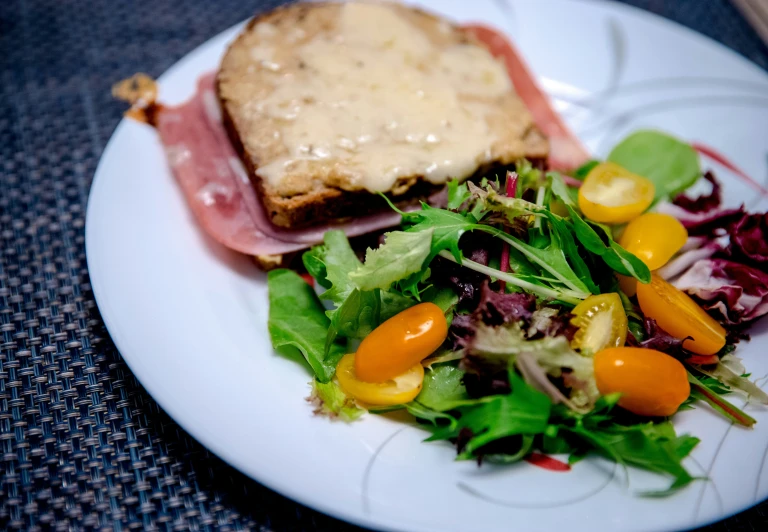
339	260
443	388
402	255
297	321
330	400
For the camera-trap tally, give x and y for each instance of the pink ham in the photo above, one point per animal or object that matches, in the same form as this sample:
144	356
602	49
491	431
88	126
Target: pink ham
217	187
566	151
227	206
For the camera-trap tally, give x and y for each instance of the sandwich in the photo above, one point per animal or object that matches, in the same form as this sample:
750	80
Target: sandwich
322	113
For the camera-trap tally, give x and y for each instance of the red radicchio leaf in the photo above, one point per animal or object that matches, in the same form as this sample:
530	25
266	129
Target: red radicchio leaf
703	216
659	339
732	292
749	240
704	202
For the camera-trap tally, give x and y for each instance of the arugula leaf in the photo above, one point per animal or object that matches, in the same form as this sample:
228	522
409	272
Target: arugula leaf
647	446
446	226
560	189
523	411
709	390
443	389
296	320
672	165
616	257
401	255
458	194
330	400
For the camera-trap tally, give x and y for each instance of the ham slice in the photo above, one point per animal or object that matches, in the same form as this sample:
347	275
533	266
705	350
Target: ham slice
565	150
225	203
217	187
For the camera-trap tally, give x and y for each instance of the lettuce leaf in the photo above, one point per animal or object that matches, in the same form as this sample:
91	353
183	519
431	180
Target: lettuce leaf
297	321
402	255
330	400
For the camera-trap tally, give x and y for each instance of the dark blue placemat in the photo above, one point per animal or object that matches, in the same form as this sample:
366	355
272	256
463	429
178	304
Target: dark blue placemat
82	445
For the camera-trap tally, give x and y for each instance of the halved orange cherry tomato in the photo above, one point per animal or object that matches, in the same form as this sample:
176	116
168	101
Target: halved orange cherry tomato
651	383
654	238
601	323
400	342
611	194
401	389
680	316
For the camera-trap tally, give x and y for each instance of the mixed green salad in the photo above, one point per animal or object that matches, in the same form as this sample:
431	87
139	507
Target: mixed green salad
537	312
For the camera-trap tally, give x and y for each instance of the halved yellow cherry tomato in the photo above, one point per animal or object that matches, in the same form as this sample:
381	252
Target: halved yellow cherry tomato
601	323
401	389
651	383
680	316
400	342
611	194
654	238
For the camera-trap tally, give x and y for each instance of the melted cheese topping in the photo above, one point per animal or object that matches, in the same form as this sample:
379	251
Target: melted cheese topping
378	101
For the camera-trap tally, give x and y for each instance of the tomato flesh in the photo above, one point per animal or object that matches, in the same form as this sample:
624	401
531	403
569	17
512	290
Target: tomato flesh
400	342
680	316
601	323
401	389
650	382
654	238
611	194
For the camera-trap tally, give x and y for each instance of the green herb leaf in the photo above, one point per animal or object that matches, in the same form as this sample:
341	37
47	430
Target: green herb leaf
646	446
458	194
402	254
616	257
446	227
672	165
523	411
297	320
330	400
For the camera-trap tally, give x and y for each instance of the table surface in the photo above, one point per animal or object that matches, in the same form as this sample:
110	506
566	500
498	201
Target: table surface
82	445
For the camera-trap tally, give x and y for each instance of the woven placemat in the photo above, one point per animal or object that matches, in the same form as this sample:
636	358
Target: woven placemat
82	445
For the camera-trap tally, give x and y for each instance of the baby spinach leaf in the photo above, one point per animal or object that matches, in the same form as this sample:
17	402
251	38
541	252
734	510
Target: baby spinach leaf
297	320
401	255
671	164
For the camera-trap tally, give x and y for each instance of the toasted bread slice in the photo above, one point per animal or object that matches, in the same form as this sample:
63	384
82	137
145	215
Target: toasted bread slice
329	103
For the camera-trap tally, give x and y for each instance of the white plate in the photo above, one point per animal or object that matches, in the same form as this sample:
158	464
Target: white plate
190	317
